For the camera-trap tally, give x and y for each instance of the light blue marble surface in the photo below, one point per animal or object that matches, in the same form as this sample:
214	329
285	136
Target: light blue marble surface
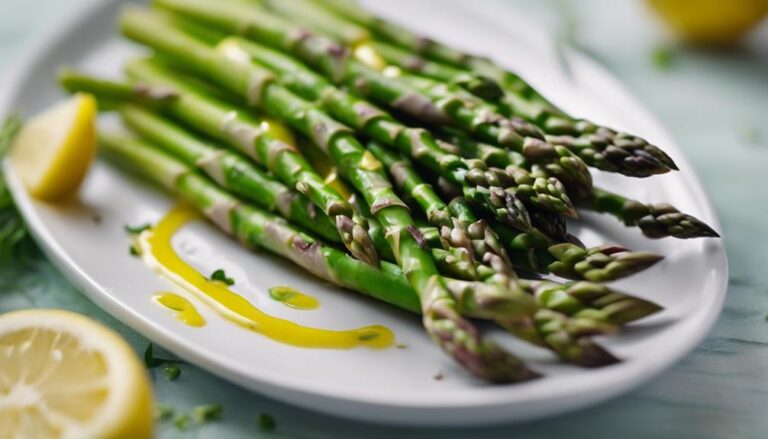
715	103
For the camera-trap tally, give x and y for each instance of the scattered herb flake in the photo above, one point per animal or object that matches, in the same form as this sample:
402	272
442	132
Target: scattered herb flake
134	251
150	360
221	276
149	355
206	413
266	423
663	57
135	230
368	336
164	412
401	345
438	376
172	372
281	294
181	422
751	135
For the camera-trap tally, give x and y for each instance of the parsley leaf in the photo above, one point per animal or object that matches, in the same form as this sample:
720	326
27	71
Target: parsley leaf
221	276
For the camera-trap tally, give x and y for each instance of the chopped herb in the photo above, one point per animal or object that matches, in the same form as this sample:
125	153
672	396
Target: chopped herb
172	372
266	423
368	336
163	412
15	242
135	230
181	422
438	376
149	355
663	57
206	413
133	251
221	276
401	346
281	294
150	360
750	134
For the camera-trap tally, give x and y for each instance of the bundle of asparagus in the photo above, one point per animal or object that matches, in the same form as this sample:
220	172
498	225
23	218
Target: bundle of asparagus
458	176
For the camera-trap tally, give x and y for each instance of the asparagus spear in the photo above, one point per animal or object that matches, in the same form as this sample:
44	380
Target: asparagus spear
222	120
655	220
315	17
511	307
567	336
230	170
459	231
597	264
441	318
419	144
332	60
321	20
255	227
599	146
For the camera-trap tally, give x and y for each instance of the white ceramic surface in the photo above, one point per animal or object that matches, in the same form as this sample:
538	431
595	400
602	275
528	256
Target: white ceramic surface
395	385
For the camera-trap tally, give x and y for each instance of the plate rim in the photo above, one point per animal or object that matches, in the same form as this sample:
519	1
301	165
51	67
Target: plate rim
275	386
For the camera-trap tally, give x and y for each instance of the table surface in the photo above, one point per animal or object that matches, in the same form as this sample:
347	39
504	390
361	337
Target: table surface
716	105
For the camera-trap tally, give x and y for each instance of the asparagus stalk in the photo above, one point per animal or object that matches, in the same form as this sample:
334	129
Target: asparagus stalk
441	318
321	20
599	146
459	231
219	119
497	301
655	220
255	227
566	257
314	17
236	174
230	170
475	180
332	60
567	336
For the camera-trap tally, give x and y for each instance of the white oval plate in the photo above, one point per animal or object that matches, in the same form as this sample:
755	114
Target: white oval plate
394	385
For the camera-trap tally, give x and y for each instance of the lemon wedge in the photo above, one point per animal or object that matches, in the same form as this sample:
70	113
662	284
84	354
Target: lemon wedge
65	376
53	150
714	22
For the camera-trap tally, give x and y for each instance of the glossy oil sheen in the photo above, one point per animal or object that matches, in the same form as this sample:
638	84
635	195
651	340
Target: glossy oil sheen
184	310
293	298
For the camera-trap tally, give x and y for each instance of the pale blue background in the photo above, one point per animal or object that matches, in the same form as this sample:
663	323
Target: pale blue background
715	103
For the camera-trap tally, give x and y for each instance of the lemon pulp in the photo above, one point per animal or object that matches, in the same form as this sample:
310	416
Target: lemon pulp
65	376
54	150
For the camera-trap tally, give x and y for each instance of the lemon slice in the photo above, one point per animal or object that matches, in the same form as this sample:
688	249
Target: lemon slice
63	375
54	149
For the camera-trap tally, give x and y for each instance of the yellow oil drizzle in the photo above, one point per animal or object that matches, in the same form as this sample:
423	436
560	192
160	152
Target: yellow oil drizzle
293	298
366	54
185	311
159	253
331	178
